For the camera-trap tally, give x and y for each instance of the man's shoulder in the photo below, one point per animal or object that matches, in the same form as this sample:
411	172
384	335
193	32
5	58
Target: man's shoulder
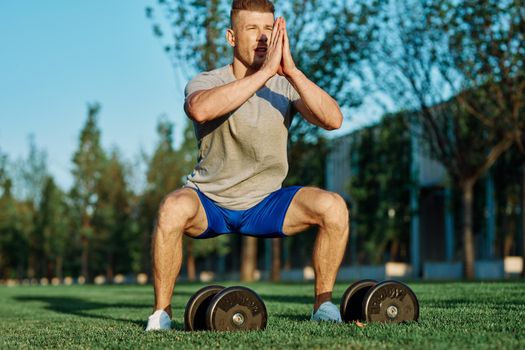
208	80
222	73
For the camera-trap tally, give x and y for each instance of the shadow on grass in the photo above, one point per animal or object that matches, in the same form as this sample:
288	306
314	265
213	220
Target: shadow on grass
82	308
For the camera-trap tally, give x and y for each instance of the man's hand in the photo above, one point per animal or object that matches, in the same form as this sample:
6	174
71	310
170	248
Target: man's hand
314	104
272	63
287	64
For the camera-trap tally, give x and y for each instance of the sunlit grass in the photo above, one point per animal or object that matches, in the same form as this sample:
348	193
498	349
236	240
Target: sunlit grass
453	315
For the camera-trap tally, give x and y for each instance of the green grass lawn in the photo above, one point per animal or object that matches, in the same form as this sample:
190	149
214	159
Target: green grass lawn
452	315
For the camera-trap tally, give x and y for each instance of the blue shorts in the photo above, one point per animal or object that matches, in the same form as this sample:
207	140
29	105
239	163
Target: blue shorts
264	220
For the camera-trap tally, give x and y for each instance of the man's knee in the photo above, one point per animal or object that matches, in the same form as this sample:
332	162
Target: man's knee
176	209
334	211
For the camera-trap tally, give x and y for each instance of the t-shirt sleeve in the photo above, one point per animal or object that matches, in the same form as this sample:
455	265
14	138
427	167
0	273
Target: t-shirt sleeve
293	95
203	81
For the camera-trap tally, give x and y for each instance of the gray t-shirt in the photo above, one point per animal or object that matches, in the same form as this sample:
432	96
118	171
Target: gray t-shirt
242	155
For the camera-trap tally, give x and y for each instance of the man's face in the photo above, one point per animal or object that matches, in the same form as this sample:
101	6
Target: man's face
252	31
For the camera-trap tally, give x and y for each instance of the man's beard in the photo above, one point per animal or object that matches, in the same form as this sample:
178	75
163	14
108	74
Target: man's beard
254	64
257	64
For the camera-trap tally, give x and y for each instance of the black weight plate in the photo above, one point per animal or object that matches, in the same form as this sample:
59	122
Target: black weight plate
352	301
392	302
195	313
236	309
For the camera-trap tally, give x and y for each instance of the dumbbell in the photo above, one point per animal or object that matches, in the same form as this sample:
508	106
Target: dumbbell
217	308
388	301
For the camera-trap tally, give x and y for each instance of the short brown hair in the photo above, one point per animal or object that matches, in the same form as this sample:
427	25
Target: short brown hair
250	5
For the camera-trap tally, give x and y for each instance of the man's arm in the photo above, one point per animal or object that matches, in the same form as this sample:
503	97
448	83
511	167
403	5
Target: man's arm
205	105
315	105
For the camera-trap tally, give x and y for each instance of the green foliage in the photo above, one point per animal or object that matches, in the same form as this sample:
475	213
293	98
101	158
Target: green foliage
453	60
380	189
53	226
88	170
459	66
88	161
112	219
480	45
508	173
164	173
196	28
31	174
12	242
306	160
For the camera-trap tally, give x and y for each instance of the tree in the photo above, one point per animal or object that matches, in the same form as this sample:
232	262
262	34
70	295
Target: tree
53	224
15	224
88	168
30	176
378	186
31	173
485	41
112	218
8	221
196	42
438	59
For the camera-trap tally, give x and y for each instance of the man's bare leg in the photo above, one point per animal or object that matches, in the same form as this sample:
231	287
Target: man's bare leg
328	211
180	212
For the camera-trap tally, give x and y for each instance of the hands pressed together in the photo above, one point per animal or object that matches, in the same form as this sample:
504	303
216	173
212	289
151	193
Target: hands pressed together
279	58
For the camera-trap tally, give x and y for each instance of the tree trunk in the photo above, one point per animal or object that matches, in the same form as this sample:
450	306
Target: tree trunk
20	271
59	269
190	261
394	250
31	270
287	256
468	237
249	259
110	268
276	260
523	217
86	226
49	270
85	258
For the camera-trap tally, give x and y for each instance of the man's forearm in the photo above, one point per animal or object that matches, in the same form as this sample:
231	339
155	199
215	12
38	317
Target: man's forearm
207	105
324	109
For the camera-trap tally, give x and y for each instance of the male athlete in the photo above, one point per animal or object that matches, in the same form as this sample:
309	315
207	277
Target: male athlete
241	113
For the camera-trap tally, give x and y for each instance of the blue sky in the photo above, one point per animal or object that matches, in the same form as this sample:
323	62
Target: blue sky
58	55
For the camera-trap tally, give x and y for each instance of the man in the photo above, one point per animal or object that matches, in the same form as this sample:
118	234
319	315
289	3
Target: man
241	114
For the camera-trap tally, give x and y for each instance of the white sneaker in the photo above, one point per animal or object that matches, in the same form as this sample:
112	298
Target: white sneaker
160	320
327	312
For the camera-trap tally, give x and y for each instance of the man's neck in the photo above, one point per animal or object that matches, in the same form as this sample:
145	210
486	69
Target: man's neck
240	70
